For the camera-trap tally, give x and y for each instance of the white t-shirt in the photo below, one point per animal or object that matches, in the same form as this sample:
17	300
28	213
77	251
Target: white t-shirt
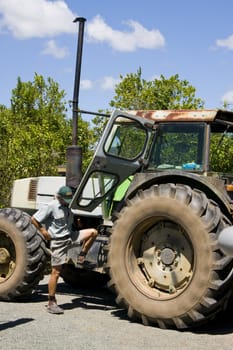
60	218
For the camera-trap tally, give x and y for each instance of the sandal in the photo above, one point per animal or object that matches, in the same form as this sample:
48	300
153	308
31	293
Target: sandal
81	257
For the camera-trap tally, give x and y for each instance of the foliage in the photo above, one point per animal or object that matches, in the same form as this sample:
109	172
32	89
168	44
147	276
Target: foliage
41	130
221	153
99	123
135	93
35	133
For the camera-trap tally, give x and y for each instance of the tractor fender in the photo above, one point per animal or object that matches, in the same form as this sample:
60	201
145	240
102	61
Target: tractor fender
213	188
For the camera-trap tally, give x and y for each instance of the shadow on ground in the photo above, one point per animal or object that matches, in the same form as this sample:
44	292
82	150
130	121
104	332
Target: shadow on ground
95	298
11	324
222	324
101	298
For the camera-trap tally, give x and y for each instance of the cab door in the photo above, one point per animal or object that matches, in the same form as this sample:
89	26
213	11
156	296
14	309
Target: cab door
118	155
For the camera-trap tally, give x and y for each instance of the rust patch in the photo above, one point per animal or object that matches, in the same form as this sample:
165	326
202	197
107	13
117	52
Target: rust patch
179	115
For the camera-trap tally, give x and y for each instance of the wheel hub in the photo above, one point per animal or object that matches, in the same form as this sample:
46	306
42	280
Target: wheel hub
166	257
4	256
7	257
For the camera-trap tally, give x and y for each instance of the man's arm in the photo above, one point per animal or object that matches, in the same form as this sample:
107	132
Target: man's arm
41	228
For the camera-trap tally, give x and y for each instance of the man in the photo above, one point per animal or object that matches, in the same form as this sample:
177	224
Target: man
59	234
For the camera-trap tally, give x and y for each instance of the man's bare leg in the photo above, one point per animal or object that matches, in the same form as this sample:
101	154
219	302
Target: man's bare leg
88	237
52	287
53	279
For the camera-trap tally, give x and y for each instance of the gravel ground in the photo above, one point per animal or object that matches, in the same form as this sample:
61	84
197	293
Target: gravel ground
93	321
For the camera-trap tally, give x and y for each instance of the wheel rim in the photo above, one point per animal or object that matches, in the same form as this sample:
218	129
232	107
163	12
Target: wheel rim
160	259
7	257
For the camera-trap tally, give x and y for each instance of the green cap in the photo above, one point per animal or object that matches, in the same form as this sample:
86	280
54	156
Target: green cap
65	193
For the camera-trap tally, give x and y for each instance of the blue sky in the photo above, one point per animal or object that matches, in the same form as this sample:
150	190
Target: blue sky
192	38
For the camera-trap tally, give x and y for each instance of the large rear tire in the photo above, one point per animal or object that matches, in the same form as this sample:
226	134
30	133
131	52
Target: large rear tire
164	263
22	255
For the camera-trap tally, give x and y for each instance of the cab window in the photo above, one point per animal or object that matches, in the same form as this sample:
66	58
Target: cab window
126	139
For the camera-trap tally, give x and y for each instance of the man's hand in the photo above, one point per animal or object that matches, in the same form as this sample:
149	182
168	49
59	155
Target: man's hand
45	233
41	228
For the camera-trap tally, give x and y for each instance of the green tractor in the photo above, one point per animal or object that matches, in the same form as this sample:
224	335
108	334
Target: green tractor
160	208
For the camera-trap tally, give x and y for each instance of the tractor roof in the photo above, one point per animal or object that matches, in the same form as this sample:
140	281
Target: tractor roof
204	115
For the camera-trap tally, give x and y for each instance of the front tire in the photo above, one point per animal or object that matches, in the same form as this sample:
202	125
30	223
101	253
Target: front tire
164	262
22	255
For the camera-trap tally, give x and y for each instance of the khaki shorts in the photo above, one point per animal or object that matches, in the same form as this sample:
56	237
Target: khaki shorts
59	248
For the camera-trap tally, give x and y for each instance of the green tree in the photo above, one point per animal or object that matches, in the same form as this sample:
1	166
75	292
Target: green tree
41	129
221	152
134	92
99	122
35	133
7	167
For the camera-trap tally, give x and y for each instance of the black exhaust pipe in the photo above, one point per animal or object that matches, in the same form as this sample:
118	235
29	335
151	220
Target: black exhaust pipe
74	152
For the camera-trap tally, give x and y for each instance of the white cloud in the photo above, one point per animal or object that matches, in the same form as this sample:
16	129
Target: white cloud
26	19
52	49
108	83
138	37
228	97
228	42
86	84
105	83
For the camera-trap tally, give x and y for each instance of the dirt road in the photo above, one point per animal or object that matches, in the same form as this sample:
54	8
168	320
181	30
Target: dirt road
93	321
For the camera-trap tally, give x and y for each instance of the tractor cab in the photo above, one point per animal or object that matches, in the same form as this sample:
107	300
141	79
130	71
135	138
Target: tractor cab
153	142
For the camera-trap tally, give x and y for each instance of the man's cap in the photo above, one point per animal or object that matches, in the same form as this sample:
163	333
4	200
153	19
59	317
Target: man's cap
65	193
